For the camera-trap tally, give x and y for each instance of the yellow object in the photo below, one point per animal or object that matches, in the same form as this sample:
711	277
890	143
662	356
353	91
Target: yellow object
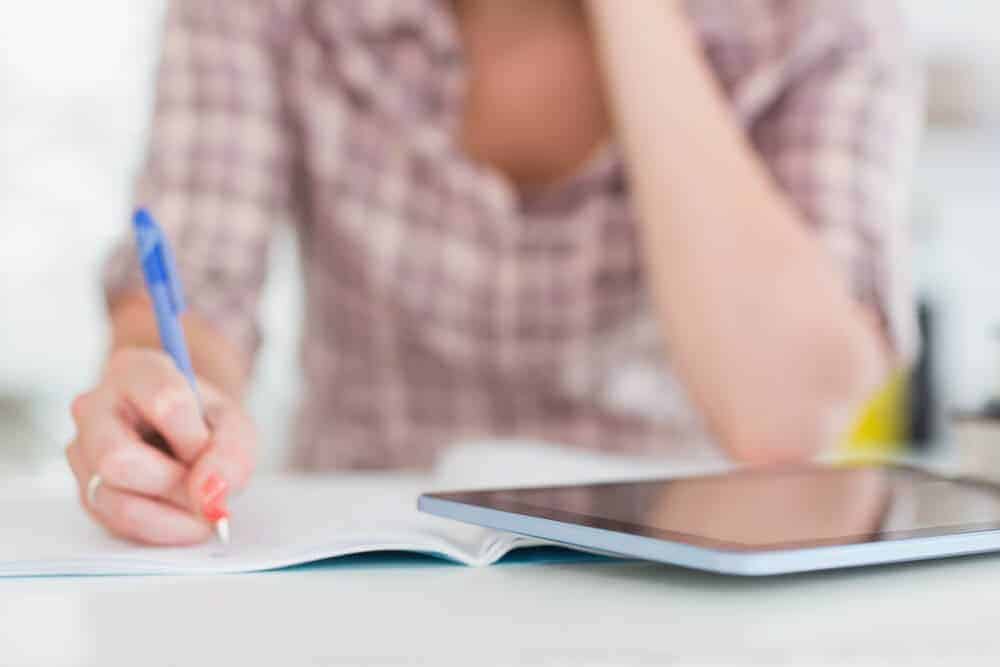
882	429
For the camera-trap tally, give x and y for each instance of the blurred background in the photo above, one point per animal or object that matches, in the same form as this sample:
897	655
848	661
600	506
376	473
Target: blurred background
75	93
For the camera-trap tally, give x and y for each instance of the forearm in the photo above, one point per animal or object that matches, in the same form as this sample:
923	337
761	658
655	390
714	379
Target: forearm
133	324
761	326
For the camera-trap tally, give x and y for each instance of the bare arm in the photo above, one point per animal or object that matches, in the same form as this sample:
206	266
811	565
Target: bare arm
762	327
215	359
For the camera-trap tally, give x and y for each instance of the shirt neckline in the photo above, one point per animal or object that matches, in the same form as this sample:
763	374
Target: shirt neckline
435	21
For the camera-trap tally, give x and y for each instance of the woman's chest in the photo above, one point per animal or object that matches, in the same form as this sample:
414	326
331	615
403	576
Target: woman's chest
535	109
413	192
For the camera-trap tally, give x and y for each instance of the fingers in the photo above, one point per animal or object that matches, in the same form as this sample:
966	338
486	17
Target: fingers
226	466
136	517
115	452
146	493
149	382
146	520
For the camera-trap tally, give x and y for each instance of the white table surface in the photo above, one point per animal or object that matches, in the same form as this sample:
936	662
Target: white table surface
604	613
375	611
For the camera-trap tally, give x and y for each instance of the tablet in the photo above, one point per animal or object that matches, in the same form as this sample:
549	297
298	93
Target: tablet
752	522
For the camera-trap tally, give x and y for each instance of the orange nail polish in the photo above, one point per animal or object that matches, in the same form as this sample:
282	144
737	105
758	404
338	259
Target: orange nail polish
216	510
213	488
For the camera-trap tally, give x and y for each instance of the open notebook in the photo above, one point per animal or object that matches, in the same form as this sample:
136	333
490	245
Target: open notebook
284	521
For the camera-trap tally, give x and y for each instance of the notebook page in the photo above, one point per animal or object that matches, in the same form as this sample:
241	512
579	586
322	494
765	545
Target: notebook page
278	522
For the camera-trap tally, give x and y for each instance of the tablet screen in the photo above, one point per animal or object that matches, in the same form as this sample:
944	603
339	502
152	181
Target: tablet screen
767	509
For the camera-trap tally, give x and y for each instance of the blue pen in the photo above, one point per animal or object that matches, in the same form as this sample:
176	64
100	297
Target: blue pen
164	287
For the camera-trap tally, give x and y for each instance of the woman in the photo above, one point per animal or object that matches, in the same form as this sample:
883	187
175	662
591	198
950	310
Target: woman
492	197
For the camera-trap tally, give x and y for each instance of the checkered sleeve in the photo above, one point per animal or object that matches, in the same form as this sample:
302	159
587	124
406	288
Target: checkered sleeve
216	172
840	140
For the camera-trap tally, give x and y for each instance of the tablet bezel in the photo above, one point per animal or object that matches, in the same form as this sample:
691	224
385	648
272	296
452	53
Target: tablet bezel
483	507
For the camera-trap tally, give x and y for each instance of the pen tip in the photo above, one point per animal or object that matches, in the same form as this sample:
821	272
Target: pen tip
222	530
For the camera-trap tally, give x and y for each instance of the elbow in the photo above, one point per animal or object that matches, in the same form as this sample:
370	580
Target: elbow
811	403
774	444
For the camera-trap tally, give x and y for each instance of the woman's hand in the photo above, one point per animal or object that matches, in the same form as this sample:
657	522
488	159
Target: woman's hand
147	494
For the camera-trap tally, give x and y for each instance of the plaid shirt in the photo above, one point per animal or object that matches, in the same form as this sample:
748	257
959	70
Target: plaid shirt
440	304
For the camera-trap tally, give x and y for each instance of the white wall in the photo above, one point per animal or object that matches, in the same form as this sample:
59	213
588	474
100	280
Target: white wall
957	190
961	43
969	26
74	77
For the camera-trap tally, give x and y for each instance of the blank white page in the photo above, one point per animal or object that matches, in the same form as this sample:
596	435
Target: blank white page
278	522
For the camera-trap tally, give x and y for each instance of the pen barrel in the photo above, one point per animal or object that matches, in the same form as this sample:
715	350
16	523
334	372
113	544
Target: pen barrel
172	334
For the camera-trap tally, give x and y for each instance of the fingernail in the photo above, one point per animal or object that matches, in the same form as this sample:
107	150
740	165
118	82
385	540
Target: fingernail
213	489
216	510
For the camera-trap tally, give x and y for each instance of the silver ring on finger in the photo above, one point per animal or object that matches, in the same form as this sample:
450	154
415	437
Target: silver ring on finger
92	486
